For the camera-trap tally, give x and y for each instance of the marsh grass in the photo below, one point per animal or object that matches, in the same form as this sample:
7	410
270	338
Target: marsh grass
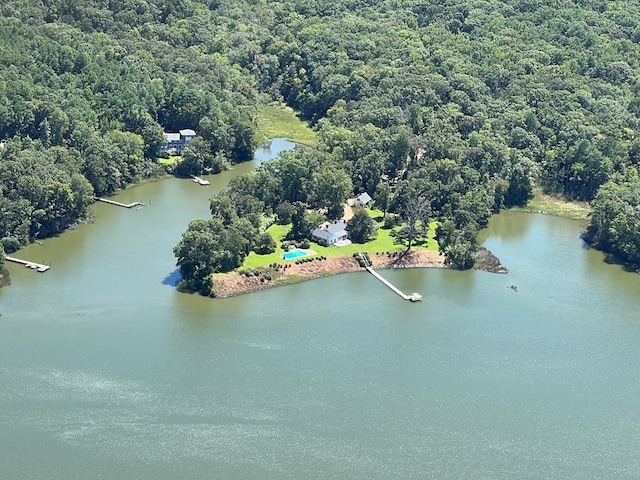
553	205
276	120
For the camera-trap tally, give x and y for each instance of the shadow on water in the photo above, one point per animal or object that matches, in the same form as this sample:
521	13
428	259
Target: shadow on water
173	278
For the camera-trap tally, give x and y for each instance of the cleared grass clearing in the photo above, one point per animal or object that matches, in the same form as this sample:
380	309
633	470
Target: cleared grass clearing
276	120
551	205
169	160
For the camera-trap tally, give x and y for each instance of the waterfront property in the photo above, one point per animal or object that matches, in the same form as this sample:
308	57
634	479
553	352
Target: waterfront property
473	355
176	141
332	233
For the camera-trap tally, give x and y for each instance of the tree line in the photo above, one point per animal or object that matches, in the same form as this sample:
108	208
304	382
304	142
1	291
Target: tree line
465	104
85	98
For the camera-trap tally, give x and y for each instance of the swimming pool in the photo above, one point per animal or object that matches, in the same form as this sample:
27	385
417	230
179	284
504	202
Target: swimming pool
294	254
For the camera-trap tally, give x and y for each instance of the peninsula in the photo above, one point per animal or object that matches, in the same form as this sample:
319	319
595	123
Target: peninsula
289	272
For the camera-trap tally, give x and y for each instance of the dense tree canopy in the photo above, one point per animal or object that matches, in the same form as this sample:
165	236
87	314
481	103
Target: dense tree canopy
615	219
467	104
86	90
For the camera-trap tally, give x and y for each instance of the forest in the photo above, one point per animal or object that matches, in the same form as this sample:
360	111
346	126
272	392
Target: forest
465	105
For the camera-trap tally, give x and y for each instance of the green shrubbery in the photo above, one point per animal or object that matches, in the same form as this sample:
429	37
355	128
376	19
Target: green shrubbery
362	258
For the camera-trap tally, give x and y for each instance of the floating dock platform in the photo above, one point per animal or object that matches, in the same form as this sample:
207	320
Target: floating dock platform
33	265
200	181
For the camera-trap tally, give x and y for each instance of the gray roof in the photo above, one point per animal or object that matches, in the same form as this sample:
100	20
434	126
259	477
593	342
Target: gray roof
338	229
172	137
364	198
322	233
187	132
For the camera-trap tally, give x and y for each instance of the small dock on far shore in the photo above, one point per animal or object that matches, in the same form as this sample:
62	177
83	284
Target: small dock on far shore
414	297
33	265
200	181
119	204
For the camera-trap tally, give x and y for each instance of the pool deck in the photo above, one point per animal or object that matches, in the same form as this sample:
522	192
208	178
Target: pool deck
303	253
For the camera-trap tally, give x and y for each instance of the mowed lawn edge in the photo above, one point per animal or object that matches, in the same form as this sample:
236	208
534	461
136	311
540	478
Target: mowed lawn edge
384	242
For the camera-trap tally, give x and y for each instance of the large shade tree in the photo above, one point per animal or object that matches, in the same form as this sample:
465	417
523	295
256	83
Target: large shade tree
361	226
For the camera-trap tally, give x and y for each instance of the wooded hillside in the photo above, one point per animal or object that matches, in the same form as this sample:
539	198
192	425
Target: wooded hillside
465	104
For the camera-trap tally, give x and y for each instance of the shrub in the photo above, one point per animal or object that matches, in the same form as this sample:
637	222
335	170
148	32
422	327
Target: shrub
390	221
10	244
287	244
304	244
264	244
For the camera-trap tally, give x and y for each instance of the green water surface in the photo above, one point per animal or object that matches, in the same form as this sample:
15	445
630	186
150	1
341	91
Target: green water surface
107	372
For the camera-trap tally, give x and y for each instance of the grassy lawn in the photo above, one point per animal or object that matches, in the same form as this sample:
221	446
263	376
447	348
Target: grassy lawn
557	206
169	160
383	243
276	120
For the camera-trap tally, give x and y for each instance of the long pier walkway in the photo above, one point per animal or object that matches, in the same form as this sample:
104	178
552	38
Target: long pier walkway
125	205
414	297
36	266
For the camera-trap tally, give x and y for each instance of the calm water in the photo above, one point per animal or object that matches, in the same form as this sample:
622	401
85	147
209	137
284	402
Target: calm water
107	372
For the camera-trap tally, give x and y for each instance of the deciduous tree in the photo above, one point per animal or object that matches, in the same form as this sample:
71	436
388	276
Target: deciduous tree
361	226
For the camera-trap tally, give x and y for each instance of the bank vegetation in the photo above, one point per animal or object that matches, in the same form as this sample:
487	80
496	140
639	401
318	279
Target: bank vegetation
461	106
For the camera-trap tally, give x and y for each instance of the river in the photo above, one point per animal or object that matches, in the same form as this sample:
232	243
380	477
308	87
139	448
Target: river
107	372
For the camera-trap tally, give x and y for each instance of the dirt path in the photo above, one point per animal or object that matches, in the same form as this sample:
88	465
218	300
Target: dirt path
348	213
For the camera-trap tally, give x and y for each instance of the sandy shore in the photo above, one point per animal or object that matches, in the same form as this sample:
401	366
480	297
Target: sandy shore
288	272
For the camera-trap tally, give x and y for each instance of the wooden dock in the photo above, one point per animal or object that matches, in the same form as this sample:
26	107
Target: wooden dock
414	297
33	265
125	205
200	181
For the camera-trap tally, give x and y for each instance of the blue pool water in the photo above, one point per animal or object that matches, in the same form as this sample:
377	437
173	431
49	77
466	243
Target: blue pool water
294	254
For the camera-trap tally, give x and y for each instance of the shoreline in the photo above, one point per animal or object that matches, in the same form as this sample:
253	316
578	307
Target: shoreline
556	206
289	272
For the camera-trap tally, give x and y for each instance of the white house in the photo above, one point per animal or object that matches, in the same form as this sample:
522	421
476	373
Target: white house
332	233
362	200
176	141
